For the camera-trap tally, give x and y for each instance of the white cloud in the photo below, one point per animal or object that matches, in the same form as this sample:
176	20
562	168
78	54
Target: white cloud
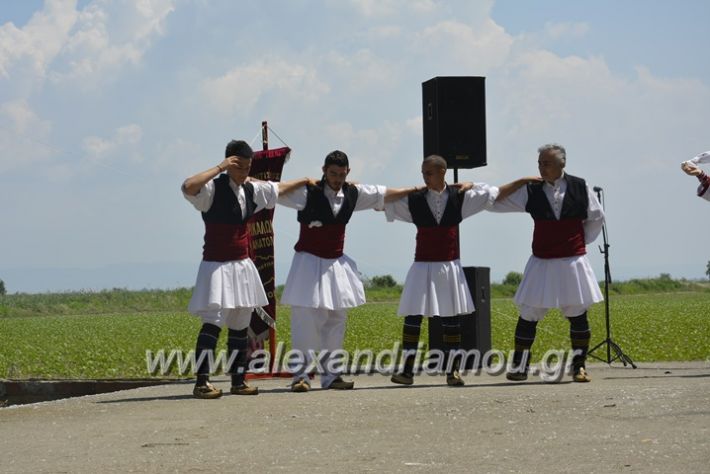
23	118
239	90
40	40
24	136
123	143
464	47
361	70
386	32
415	124
545	91
386	8
180	155
63	44
370	149
108	35
566	30
82	48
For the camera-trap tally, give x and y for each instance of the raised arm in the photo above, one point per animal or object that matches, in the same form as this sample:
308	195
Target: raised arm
702	158
393	194
193	184
513	197
286	187
506	190
690	169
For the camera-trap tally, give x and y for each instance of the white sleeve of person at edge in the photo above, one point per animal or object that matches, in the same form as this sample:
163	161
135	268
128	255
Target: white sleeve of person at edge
702	158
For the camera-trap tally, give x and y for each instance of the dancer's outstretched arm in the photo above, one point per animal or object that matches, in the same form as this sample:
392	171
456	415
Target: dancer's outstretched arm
506	190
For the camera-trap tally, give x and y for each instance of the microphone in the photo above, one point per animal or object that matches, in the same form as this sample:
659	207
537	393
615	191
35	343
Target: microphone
597	189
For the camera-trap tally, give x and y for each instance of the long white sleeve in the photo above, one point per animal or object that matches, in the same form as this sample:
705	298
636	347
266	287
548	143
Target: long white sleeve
701	158
202	201
370	196
265	196
295	199
595	218
479	198
515	202
398	210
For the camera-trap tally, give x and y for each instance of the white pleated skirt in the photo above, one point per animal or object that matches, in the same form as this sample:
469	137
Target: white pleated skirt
222	285
435	289
556	282
329	283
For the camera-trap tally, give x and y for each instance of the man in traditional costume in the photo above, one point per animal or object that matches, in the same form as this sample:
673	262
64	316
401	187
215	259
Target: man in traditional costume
567	216
435	284
228	286
323	282
691	168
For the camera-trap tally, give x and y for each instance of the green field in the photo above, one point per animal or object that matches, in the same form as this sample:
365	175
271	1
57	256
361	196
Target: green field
106	334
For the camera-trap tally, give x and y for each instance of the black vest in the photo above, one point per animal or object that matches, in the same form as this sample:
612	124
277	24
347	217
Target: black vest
318	207
422	215
574	205
225	206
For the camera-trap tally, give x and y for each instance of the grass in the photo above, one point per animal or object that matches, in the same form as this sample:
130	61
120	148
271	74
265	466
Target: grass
106	334
89	346
88	302
650	327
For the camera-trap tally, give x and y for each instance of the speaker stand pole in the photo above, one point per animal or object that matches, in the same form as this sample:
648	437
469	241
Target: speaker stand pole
456	175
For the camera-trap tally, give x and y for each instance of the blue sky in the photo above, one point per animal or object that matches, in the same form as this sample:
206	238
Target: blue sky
106	106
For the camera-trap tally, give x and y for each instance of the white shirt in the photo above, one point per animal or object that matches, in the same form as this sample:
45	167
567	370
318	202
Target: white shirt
555	194
368	197
265	195
480	197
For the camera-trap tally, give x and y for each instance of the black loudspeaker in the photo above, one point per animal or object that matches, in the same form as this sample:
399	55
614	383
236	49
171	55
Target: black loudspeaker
454	120
475	327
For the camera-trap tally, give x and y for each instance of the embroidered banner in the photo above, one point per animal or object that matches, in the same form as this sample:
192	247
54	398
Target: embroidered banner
267	166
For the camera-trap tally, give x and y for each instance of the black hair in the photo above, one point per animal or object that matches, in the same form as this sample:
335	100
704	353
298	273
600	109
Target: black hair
337	158
238	148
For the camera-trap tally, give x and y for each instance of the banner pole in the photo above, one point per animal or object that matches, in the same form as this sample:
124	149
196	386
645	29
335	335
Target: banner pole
272	332
264	136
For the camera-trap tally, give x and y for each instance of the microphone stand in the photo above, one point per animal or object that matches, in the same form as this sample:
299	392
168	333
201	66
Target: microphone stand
610	344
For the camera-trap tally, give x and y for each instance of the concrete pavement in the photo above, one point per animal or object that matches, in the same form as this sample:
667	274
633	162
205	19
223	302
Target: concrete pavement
652	419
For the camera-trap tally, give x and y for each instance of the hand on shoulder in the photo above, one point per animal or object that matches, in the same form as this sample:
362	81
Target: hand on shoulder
463	187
